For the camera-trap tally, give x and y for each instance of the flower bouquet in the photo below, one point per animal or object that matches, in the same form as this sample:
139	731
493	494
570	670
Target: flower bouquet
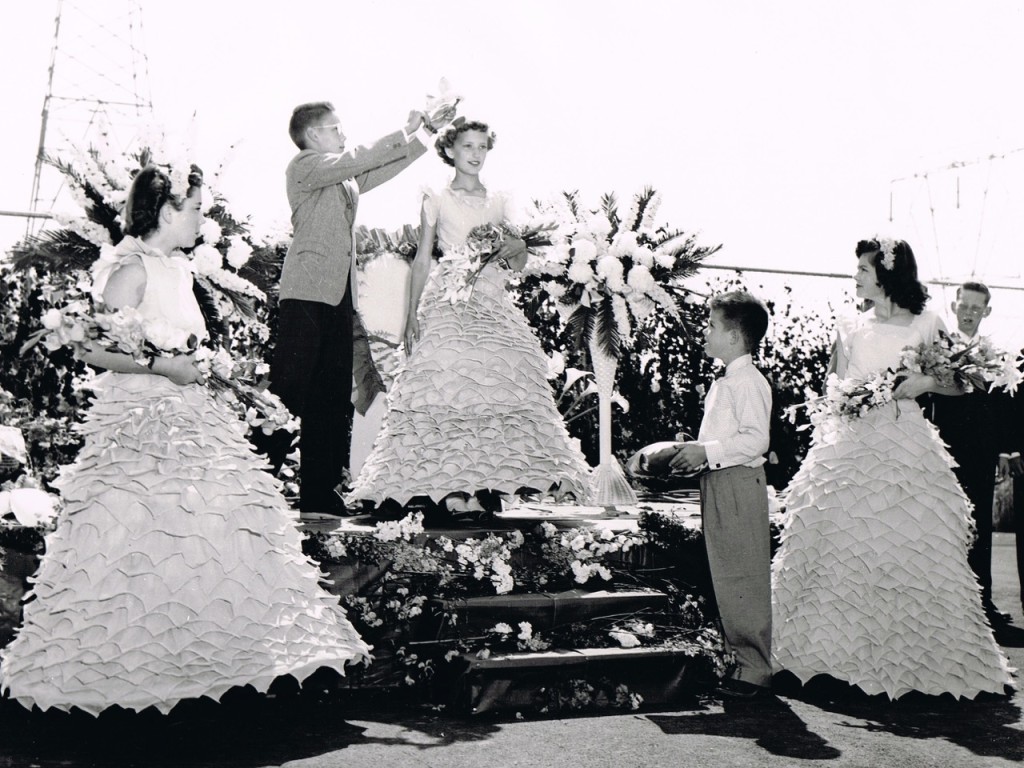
126	331
482	246
950	360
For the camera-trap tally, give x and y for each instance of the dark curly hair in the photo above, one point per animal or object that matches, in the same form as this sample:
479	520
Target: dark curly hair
899	283
150	189
451	134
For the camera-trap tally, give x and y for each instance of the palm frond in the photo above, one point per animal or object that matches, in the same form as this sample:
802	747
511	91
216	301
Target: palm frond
610	208
97	209
263	269
204	293
643	200
572	200
62	250
580	326
608	338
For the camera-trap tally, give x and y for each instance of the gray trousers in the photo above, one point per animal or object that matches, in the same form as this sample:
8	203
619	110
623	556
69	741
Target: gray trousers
734	511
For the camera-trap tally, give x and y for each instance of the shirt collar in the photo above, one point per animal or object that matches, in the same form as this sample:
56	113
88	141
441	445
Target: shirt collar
743	361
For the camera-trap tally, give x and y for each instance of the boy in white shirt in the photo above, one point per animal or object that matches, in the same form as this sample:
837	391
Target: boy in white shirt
732	441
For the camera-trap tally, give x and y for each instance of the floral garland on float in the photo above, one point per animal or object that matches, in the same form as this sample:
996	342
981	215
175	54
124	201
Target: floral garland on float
608	274
227	263
430	605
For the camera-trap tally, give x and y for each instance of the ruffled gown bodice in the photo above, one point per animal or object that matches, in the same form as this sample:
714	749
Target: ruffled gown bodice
871	583
175	570
472	408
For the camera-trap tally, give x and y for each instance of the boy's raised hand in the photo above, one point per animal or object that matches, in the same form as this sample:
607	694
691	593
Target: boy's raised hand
416	119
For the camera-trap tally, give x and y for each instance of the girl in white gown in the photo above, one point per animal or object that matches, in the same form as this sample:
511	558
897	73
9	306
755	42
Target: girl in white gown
175	570
472	410
871	583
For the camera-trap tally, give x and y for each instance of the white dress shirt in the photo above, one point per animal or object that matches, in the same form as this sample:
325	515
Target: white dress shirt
737	416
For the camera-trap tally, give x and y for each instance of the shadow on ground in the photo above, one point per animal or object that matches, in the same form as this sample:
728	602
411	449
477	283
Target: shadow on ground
769	722
248	731
988	725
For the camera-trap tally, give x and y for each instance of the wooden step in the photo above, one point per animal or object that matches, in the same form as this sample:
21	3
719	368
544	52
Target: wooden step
581	680
546	609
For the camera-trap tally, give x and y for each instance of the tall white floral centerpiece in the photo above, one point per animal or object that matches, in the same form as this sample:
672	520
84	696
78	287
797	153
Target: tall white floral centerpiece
608	272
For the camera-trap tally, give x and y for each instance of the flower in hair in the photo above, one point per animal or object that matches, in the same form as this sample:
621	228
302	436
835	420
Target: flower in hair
887	247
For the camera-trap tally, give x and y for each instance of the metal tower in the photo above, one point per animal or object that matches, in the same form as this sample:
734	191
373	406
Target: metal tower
98	75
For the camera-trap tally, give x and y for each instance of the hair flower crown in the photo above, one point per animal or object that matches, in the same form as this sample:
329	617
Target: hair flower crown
887	247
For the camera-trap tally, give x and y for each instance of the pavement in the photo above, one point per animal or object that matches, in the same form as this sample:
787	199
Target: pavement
823	725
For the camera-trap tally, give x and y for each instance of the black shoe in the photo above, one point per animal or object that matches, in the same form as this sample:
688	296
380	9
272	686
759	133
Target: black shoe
998	619
740	689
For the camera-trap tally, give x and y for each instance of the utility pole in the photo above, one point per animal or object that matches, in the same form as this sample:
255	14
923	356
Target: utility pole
98	75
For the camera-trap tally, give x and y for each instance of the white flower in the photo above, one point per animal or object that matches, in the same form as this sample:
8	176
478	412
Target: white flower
239	252
206	259
887	247
164	335
640	279
598	224
624	639
623	244
501	628
610	269
556	364
580	272
580	571
525	630
665	260
584	250
211	232
52	319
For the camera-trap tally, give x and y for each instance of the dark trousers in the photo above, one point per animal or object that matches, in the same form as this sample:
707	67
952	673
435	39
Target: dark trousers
978	479
1018	528
311	372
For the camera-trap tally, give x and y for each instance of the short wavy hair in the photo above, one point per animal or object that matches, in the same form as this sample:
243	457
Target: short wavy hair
899	282
451	134
149	192
745	313
304	116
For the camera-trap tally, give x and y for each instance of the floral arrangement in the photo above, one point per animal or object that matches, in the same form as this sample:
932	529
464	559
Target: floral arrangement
609	271
481	248
950	360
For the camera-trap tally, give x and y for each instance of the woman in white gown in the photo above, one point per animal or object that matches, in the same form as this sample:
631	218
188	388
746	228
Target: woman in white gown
871	583
471	414
176	569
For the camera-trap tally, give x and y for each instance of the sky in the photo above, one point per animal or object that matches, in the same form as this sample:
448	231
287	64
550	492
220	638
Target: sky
784	131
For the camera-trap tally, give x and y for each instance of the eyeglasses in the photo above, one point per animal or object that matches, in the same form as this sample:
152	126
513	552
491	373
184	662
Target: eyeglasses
970	310
336	127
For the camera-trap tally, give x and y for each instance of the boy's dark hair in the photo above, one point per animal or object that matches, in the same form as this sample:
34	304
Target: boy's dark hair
745	313
451	134
149	192
977	287
304	116
898	280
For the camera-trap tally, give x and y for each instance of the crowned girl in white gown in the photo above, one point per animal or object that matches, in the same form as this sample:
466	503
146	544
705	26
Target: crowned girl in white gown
871	583
472	409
